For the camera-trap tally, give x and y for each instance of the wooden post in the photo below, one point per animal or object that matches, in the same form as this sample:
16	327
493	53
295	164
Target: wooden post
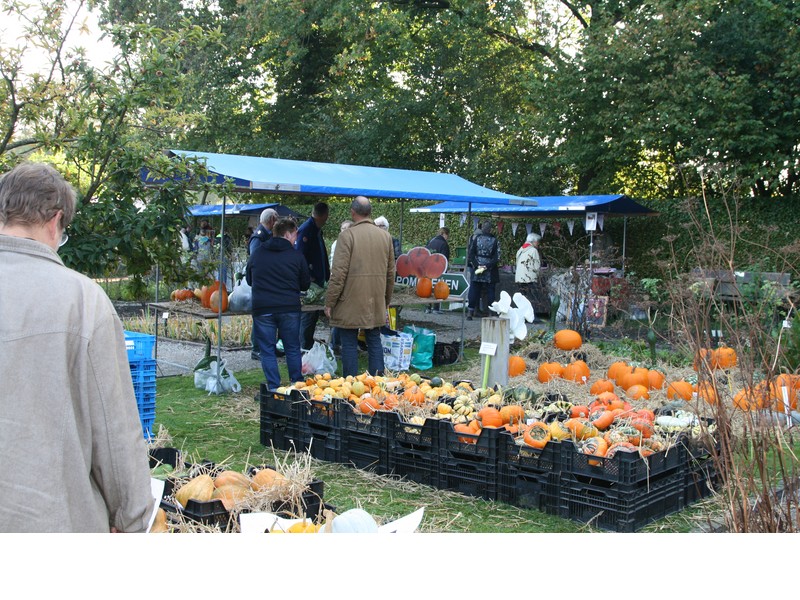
494	330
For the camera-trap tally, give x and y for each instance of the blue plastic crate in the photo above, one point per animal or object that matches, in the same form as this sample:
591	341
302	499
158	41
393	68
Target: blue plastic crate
139	345
143	370
147	427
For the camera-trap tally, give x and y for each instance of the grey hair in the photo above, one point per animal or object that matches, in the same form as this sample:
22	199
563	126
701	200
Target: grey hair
533	237
33	193
382	222
267	215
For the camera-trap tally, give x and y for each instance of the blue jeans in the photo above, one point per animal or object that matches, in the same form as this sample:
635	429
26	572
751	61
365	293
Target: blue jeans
308	325
476	291
267	329
350	351
336	338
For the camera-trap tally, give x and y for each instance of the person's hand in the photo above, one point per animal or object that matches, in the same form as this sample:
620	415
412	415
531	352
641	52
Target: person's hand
328	311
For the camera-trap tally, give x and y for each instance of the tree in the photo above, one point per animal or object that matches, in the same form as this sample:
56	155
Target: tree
104	125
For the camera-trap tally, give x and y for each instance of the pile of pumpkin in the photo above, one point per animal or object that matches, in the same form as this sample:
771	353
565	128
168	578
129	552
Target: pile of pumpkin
210	296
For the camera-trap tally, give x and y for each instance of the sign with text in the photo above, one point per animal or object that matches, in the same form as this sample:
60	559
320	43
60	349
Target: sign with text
456	282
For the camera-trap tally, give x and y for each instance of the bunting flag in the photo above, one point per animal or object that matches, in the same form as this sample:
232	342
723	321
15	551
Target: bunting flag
500	225
571	225
514	228
474	222
557	227
600	220
463	219
441	219
528	227
542	227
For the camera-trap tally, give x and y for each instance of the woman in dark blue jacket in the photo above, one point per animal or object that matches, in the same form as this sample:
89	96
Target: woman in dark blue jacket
278	273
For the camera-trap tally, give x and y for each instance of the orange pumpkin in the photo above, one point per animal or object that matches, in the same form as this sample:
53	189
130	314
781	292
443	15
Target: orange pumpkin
655	379
567	339
638	392
424	287
537	435
463	428
217	297
512	413
616	369
369	405
707	392
680	389
724	357
636	376
516	366
489	416
601	385
549	371
577	371
441	290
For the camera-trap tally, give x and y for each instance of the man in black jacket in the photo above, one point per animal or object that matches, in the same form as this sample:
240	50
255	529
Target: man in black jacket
260	236
483	261
439	245
278	273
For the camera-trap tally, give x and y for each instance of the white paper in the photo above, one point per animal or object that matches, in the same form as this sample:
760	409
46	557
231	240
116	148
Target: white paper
157	489
488	348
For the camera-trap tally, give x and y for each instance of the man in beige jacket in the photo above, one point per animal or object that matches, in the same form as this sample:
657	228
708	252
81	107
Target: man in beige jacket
360	287
72	452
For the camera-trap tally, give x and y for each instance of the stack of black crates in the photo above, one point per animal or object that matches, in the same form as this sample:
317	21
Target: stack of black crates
622	493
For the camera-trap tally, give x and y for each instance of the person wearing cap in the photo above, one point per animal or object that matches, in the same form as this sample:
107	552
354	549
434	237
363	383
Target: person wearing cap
311	244
72	445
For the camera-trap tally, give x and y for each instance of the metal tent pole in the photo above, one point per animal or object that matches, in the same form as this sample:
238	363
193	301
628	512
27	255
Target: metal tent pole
219	293
466	296
624	239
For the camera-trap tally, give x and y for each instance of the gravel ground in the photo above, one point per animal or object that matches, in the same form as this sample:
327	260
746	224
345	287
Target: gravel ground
177	358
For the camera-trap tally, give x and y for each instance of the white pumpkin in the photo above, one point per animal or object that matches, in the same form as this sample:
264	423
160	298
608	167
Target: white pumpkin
355	520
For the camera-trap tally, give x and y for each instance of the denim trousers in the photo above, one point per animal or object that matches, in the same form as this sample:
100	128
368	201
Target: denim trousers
476	291
308	325
350	351
267	330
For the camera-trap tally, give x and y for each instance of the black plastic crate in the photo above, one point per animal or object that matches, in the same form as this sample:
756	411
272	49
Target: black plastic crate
164	456
279	432
323	443
489	447
376	424
419	465
527	459
413	436
702	478
624	468
320	412
539	491
275	403
365	451
618	508
491	482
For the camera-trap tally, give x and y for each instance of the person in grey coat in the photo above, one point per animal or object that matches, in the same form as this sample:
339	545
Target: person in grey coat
72	447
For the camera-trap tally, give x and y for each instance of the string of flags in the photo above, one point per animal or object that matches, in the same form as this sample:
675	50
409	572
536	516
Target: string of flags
596	219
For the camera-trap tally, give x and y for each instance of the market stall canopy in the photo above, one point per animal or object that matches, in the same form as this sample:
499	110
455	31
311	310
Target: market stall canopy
215	210
551	206
282	176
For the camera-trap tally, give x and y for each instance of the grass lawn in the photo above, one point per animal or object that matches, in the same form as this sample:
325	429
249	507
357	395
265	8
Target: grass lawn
225	429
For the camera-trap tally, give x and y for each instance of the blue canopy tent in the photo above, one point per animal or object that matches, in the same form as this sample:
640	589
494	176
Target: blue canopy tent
282	176
215	210
617	205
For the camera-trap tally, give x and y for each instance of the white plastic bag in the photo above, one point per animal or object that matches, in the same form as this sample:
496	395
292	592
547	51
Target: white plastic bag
397	350
241	298
206	379
319	359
